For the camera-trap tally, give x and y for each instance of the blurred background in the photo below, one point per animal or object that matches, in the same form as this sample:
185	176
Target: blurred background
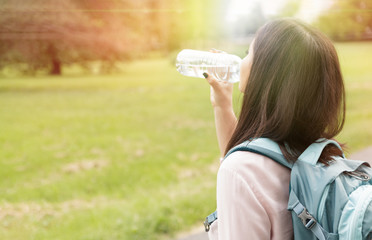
101	137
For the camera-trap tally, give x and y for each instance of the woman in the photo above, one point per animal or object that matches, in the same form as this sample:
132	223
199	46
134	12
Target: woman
293	94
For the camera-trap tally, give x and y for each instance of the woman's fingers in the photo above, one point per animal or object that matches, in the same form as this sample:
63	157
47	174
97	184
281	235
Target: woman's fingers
211	80
215	84
221	92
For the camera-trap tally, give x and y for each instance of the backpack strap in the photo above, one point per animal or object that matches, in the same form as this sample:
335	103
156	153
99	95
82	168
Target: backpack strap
312	153
271	149
263	146
306	218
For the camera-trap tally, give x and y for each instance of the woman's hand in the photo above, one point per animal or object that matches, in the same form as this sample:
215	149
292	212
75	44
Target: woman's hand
221	91
224	116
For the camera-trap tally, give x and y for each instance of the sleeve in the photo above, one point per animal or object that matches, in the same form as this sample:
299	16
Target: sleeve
241	214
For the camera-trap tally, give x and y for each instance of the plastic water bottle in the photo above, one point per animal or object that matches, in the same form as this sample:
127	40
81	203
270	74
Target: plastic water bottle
223	66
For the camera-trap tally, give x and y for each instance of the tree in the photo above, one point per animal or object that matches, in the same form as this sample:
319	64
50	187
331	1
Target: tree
47	34
44	34
291	8
347	20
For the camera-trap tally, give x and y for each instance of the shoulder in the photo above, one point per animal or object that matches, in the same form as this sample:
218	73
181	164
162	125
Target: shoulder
249	184
260	174
252	164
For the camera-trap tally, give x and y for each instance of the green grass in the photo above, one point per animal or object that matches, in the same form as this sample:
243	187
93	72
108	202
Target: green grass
129	156
356	64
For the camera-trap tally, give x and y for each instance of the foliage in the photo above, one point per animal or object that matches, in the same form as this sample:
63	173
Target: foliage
48	34
347	20
45	34
291	8
127	156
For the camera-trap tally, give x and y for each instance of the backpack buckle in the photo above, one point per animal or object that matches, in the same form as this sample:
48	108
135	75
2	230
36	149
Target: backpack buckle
209	220
308	220
207	225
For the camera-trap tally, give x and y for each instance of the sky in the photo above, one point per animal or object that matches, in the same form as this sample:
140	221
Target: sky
308	11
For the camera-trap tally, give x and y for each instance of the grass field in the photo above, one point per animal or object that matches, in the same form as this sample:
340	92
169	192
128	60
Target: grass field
129	156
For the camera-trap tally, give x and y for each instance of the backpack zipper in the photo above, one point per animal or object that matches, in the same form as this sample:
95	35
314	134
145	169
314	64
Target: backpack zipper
359	175
356	174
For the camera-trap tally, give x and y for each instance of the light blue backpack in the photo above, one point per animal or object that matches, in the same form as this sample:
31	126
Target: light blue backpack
326	202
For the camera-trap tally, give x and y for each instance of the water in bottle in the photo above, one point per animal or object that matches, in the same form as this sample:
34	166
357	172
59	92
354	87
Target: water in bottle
224	67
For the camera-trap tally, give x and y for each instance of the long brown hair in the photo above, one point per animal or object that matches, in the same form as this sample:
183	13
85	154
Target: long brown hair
295	92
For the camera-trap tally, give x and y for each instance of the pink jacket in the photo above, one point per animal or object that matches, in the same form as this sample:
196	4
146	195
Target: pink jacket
252	197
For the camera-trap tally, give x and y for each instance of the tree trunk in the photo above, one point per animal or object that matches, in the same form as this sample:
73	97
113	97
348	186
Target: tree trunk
56	68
